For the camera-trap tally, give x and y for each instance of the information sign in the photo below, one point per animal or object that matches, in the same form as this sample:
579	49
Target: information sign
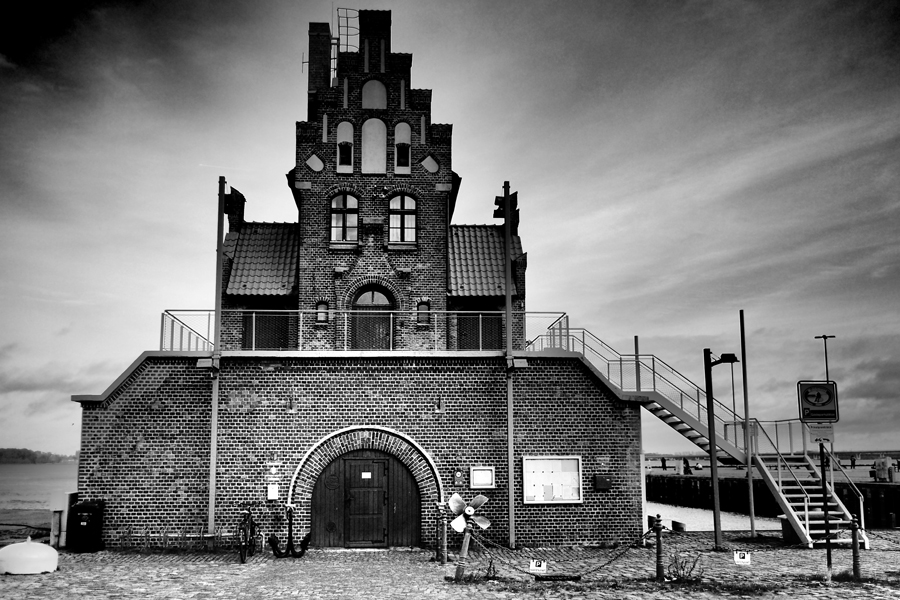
818	401
821	433
538	566
741	557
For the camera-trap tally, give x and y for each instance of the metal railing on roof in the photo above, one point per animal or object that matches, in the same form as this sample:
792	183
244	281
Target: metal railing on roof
335	330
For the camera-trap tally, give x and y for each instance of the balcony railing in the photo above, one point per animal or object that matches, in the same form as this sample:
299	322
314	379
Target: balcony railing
378	330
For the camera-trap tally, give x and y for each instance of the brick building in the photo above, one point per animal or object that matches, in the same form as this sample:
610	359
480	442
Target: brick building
363	373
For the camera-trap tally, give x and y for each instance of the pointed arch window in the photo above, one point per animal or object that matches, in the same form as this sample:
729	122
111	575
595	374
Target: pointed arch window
402	212
374	146
402	134
345	147
374	94
344	218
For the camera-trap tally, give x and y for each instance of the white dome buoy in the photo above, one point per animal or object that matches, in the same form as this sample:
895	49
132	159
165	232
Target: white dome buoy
28	558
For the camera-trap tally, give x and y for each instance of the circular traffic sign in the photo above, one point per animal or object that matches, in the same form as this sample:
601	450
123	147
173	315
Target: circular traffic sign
818	395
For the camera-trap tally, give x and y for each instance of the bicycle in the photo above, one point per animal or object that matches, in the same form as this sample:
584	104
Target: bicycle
247	532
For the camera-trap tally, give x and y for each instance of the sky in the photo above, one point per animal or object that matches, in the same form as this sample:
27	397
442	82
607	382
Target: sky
675	162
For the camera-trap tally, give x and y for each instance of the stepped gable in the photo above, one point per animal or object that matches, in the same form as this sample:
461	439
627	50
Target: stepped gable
476	260
265	260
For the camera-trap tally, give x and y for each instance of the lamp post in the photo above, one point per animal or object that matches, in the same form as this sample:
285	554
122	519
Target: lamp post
825	339
708	364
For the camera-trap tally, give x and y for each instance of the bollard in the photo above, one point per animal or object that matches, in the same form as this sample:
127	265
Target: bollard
443	538
657	527
463	554
854	527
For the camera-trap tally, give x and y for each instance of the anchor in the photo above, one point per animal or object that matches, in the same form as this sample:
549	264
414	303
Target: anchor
289	550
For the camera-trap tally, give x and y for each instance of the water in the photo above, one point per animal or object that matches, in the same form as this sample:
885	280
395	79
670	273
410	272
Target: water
30	486
697	519
34	486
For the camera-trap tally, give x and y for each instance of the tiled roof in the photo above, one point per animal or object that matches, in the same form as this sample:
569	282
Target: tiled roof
265	260
476	260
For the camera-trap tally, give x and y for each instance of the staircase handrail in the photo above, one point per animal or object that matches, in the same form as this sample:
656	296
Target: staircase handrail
780	459
169	314
859	495
723	413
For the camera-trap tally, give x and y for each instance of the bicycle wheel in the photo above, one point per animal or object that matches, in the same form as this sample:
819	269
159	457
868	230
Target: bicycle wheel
243	535
251	546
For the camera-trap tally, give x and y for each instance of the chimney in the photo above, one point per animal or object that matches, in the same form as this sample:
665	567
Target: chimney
375	38
319	56
234	208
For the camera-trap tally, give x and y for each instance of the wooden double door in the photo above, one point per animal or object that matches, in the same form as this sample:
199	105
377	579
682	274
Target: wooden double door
366	499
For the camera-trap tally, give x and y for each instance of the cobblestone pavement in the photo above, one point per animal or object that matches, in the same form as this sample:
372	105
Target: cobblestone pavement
779	571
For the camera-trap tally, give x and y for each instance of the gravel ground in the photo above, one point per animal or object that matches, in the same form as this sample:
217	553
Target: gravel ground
775	570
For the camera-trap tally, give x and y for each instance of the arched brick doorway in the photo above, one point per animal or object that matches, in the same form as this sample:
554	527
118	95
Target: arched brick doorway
357	450
366	499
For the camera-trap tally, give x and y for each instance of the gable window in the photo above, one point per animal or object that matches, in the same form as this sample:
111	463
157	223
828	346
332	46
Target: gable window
402	219
344	218
374	146
321	312
374	94
401	148
345	147
423	315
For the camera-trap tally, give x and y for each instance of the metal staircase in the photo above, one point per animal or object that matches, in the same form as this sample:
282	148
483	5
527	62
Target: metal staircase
790	474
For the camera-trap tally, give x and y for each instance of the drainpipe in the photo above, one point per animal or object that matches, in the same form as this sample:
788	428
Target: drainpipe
217	354
510	400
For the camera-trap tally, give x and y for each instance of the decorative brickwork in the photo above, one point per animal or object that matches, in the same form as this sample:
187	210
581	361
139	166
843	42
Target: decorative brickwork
339	443
440	407
145	447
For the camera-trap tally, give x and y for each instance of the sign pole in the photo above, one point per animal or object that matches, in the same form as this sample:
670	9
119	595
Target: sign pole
825	510
748	448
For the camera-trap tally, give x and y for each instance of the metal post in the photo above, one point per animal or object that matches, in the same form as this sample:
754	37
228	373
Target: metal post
825	510
748	448
657	528
443	537
637	365
510	398
216	356
463	553
825	339
854	529
713	451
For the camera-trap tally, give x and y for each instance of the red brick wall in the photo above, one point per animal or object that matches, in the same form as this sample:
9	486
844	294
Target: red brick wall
146	449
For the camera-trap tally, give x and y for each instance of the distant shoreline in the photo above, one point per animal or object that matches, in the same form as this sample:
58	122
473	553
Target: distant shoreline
29	517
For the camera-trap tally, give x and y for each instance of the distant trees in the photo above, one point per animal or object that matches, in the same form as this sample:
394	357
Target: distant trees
23	455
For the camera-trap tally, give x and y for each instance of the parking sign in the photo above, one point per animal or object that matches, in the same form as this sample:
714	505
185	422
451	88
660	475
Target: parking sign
818	401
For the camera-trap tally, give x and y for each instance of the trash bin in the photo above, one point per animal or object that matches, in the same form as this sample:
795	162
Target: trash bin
84	529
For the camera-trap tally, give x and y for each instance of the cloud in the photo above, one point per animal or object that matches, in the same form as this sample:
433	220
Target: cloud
56	379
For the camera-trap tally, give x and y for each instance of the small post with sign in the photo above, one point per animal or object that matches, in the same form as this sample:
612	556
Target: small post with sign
819	410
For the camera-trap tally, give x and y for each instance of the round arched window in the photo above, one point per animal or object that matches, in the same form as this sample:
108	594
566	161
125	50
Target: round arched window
373	321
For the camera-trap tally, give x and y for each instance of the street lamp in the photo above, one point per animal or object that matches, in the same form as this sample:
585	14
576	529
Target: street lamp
825	339
708	364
